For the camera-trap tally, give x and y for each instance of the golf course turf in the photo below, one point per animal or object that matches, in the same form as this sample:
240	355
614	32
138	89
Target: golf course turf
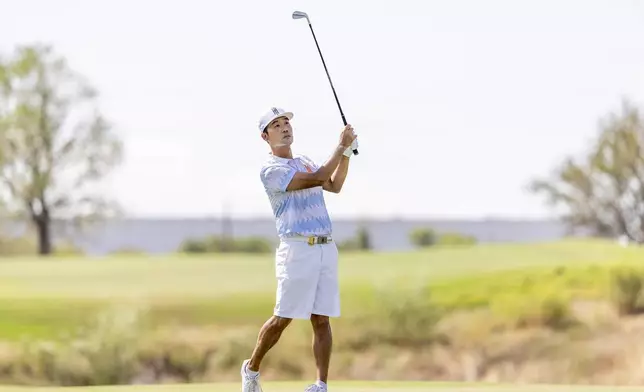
355	386
44	300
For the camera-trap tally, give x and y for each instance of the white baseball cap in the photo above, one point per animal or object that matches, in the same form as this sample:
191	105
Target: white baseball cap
272	115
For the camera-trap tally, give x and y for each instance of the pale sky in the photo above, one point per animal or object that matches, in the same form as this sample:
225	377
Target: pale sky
457	103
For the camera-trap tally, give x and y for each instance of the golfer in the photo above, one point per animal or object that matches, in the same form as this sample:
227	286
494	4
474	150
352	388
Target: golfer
306	260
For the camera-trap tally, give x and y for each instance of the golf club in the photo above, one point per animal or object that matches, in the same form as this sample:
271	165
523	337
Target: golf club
304	15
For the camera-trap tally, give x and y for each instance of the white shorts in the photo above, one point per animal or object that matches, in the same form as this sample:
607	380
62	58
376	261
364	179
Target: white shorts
307	280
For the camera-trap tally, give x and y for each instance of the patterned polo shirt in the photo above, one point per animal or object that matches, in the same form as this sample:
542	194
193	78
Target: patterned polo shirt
301	212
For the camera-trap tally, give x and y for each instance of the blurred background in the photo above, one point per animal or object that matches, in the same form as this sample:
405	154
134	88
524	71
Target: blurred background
490	229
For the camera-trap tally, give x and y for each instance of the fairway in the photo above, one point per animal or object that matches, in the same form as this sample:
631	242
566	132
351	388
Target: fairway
340	387
225	289
213	276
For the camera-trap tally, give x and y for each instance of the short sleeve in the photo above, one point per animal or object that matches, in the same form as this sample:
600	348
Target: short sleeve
309	162
277	177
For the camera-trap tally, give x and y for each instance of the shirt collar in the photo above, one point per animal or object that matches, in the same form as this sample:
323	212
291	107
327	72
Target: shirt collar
277	159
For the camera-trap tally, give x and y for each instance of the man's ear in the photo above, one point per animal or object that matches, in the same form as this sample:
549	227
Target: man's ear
265	136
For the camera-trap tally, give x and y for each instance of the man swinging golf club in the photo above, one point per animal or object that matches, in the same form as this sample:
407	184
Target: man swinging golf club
306	260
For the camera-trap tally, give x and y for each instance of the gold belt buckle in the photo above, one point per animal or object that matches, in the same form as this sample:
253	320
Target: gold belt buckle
317	240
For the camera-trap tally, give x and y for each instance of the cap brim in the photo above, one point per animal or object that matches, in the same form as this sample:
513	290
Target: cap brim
288	115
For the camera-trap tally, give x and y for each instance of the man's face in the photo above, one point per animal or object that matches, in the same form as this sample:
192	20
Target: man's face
279	133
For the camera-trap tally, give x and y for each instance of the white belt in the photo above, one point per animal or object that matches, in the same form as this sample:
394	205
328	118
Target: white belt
312	240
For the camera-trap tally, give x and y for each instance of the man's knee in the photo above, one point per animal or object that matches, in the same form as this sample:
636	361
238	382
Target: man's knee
320	323
279	323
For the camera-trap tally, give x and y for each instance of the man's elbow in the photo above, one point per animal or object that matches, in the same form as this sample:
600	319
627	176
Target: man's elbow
322	175
333	188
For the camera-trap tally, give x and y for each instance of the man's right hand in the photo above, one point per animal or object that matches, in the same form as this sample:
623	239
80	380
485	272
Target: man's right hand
347	137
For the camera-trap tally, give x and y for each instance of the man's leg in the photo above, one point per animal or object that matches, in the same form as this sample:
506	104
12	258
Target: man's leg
322	345
327	304
296	289
268	336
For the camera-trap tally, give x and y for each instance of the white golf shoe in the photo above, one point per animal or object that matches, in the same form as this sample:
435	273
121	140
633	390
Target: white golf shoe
315	388
249	383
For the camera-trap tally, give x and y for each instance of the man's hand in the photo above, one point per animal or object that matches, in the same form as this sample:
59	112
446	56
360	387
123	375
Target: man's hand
347	136
335	183
349	151
323	176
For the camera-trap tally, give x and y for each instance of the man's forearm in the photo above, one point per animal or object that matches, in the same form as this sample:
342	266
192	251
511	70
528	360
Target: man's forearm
326	171
340	174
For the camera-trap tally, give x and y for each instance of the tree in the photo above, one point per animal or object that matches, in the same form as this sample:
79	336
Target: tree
55	146
603	191
363	239
423	237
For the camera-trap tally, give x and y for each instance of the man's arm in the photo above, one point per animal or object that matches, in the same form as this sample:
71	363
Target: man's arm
302	180
335	183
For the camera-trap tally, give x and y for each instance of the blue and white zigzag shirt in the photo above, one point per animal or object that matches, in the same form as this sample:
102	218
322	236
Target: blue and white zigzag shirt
302	212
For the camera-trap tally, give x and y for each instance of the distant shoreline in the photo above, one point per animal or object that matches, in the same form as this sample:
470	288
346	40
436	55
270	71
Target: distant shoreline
164	235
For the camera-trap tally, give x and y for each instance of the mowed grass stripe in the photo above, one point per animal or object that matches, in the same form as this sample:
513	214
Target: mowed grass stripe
337	387
181	276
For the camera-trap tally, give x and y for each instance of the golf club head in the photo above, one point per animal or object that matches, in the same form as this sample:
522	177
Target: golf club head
301	15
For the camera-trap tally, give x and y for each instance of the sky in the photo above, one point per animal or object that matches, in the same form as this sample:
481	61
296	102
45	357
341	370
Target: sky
457	104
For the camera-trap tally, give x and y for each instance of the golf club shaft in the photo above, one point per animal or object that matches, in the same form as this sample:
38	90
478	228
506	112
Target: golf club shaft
344	120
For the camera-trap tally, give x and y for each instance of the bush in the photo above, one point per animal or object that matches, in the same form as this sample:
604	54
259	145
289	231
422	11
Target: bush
362	241
252	245
626	290
556	313
220	244
423	237
106	353
349	245
194	246
184	360
535	310
17	246
215	244
400	318
412	318
456	239
363	238
67	249
27	245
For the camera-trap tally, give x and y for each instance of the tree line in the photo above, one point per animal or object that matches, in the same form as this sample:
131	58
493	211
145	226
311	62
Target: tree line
56	146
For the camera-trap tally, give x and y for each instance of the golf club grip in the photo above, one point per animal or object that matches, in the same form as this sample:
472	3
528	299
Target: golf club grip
344	120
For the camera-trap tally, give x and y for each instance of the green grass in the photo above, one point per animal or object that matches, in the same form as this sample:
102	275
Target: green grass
521	284
180	276
44	298
339	387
